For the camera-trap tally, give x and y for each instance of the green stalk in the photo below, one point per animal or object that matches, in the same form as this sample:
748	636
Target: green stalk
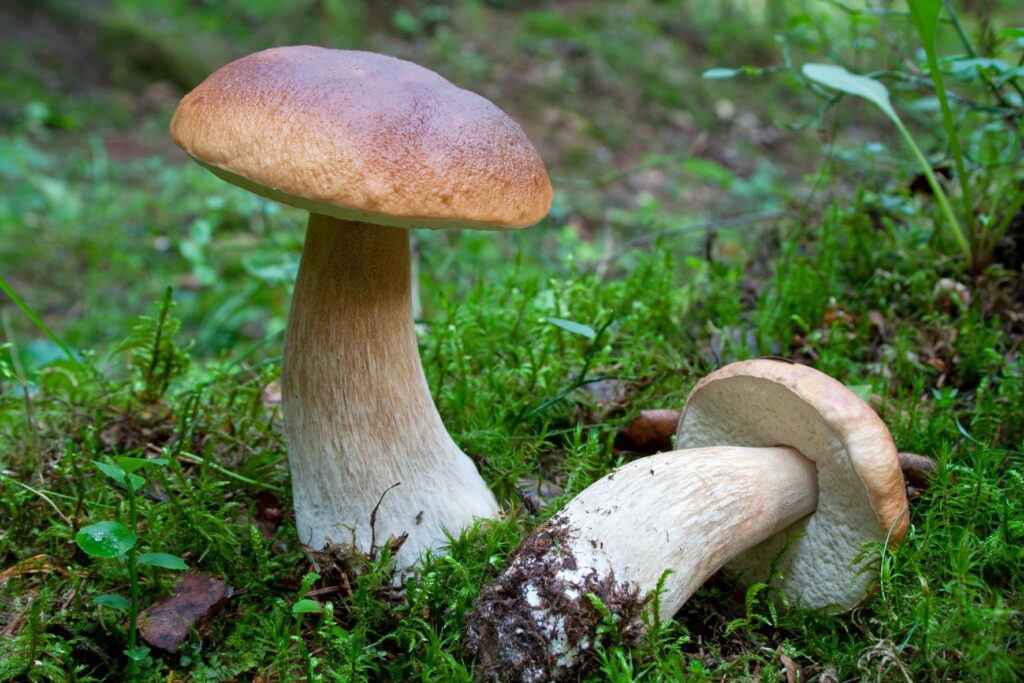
925	15
228	473
940	194
954	141
6	288
1017	203
133	576
41	495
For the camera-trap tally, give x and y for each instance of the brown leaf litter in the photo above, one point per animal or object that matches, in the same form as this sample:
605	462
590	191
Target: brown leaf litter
197	596
653	431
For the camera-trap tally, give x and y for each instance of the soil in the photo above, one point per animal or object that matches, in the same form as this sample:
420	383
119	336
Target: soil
511	640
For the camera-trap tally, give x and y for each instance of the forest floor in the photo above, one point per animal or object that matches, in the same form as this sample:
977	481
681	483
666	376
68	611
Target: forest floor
697	221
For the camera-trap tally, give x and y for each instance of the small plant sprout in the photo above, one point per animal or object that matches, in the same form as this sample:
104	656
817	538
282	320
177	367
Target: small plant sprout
975	232
980	135
113	539
838	78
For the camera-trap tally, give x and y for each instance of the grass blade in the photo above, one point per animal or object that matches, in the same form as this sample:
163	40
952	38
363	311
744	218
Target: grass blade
38	322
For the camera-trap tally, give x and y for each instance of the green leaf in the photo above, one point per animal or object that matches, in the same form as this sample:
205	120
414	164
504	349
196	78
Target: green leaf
306	606
925	14
574	327
164	560
6	288
129	464
112	471
720	74
112	601
838	78
138	654
119	474
105	539
706	169
968	68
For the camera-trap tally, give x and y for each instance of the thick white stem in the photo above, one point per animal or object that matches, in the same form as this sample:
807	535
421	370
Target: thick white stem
687	511
358	413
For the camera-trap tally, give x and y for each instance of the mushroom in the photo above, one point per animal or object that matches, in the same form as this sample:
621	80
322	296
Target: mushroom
370	145
782	467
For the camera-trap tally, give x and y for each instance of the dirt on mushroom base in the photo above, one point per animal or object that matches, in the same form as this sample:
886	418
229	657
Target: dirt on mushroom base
511	631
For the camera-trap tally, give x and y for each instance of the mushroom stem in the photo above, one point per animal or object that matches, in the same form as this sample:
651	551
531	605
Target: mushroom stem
358	413
687	511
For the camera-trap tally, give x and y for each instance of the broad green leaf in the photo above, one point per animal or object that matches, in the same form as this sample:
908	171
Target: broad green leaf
119	474
968	68
112	471
105	539
838	78
138	654
112	601
164	560
574	327
306	606
129	464
719	74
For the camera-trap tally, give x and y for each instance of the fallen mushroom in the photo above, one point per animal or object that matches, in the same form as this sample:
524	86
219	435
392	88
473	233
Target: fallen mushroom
783	466
370	145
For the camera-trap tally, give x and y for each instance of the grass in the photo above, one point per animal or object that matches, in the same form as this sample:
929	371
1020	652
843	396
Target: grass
949	605
848	271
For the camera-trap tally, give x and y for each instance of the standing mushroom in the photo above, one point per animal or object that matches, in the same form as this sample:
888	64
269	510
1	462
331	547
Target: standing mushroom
773	450
371	146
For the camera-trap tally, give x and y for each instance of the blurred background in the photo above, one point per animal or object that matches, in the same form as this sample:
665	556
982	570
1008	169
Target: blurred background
100	212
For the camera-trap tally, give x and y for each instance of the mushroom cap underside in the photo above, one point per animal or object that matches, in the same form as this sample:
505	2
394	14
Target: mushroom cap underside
861	495
363	137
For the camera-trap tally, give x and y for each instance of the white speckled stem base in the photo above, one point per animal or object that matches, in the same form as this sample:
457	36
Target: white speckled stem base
687	512
358	413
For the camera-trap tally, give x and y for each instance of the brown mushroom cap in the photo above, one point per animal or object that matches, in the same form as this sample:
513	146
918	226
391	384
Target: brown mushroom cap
363	137
861	495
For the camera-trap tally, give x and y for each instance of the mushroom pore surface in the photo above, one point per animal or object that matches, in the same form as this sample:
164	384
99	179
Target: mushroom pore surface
771	449
861	493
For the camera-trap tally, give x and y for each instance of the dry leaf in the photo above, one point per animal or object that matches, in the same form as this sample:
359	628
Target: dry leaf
37	564
653	431
198	595
792	670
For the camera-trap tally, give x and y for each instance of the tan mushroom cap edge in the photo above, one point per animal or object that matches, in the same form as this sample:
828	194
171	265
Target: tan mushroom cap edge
363	137
862	496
